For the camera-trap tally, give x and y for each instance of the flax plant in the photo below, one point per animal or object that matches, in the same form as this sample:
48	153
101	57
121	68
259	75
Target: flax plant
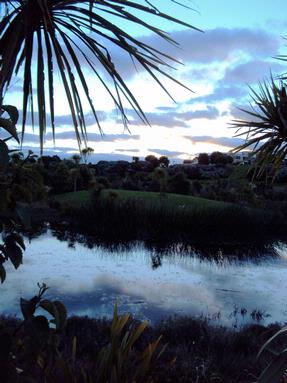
265	126
63	36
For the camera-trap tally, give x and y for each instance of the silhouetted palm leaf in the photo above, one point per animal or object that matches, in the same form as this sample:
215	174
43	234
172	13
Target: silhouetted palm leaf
62	32
266	131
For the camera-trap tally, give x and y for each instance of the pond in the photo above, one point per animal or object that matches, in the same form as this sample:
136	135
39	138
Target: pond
227	284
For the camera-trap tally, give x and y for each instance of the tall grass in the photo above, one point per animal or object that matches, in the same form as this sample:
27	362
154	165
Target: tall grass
129	219
196	352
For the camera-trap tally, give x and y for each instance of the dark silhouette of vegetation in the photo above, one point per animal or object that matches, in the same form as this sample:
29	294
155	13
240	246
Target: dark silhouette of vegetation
219	158
203	159
68	32
179	183
12	245
266	130
197	351
129	220
36	348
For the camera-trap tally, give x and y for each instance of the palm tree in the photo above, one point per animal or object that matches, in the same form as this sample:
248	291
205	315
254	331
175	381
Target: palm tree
86	152
61	34
265	126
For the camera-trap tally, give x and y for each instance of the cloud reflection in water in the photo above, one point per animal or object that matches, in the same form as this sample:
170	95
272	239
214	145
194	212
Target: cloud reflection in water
90	280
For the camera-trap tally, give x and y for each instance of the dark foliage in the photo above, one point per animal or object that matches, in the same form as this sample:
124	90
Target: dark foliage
178	184
129	220
200	352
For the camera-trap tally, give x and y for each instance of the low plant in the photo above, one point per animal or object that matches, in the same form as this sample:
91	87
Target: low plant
33	351
276	370
13	244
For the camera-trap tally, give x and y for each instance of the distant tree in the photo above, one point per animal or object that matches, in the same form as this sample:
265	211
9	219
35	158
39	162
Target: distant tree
219	158
75	174
86	152
60	179
161	176
17	157
76	158
45	161
178	183
153	160
27	183
85	176
136	159
192	172
196	187
203	159
163	161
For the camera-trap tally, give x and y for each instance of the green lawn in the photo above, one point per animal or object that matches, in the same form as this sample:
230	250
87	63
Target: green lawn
149	198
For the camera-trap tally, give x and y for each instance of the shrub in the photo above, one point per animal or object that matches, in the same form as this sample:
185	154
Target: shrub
178	183
33	351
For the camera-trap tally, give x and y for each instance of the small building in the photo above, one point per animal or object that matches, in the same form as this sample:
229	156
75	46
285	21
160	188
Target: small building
244	158
189	162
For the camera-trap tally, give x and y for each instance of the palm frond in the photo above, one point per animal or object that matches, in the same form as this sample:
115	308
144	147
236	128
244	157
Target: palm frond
61	33
266	130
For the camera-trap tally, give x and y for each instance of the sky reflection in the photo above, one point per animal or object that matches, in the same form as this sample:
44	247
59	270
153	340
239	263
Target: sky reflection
90	280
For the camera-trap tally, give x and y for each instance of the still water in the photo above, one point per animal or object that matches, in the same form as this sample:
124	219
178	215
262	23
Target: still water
229	285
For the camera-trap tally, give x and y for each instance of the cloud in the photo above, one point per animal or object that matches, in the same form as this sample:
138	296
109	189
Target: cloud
217	44
211	113
223	141
70	135
61	151
127	150
172	117
66	120
237	112
251	72
222	92
67	152
168	153
213	45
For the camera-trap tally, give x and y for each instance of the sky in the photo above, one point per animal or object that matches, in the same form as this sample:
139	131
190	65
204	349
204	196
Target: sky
236	50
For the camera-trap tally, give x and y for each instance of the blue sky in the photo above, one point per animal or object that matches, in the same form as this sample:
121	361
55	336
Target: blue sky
237	49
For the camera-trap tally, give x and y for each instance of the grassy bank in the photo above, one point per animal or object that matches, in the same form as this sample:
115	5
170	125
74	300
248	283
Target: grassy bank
196	352
128	215
146	199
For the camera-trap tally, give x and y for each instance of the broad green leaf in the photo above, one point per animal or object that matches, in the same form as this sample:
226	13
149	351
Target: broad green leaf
4	155
2	273
19	239
24	215
57	310
28	307
15	255
10	127
12	111
49	306
62	314
40	326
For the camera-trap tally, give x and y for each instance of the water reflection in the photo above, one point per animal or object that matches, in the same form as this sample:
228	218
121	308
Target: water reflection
222	282
219	252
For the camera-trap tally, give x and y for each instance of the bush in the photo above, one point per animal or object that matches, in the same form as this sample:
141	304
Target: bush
179	184
32	350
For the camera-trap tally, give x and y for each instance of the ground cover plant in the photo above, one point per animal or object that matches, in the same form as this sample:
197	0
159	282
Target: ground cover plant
33	349
101	350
